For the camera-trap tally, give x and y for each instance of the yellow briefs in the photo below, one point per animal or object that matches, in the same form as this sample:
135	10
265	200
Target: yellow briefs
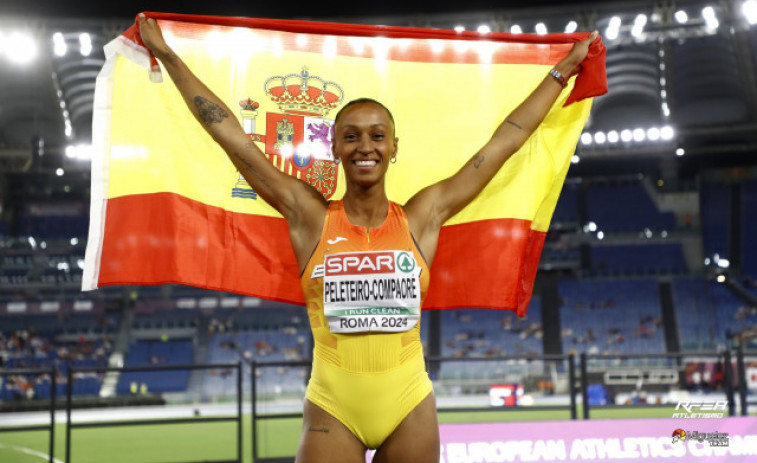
370	405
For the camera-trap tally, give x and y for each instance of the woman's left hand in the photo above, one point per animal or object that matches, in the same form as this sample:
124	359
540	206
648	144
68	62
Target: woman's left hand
571	64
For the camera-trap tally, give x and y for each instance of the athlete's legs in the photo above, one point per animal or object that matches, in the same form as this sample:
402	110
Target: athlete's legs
416	439
325	439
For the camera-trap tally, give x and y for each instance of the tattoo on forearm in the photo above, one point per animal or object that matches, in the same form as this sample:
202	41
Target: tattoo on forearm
251	169
324	430
208	111
513	123
478	160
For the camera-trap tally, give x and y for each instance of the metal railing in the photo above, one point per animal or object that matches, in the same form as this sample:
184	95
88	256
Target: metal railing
577	384
50	427
70	425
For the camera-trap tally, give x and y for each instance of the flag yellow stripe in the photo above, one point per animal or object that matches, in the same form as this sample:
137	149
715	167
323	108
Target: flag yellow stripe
444	113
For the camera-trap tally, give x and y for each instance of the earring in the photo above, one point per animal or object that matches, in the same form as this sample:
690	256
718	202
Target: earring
337	160
393	160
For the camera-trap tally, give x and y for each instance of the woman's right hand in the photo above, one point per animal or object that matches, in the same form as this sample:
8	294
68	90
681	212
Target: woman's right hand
151	35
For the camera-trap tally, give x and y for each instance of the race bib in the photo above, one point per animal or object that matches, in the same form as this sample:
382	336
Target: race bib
370	291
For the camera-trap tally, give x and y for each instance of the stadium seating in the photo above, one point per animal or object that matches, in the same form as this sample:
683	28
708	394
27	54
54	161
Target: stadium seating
609	205
611	316
157	352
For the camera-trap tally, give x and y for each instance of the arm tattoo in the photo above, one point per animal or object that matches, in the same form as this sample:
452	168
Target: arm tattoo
478	160
208	111
513	123
323	430
251	169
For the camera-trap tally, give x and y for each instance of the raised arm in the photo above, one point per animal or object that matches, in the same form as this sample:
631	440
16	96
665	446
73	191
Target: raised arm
301	205
431	207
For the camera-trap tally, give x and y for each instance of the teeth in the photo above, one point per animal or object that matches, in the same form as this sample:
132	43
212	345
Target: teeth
365	163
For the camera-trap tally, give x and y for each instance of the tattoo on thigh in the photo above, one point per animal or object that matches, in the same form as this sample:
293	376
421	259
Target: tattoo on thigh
323	430
478	160
208	111
514	123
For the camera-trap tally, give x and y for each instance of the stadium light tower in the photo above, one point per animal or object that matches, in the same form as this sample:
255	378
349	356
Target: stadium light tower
20	48
749	9
59	45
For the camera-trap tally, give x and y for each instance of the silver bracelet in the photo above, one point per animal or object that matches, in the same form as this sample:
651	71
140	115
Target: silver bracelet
558	77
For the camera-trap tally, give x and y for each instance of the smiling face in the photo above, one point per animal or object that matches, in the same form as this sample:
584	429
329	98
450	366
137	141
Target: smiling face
364	142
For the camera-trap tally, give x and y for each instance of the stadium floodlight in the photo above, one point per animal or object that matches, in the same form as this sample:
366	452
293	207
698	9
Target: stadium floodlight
653	133
600	235
721	278
613	29
626	135
665	109
681	17
586	138
541	28
710	19
74	241
749	9
667	132
515	29
20	48
484	29
638	26
59	172
600	138
680	152
459	28
85	44
612	136
571	27
575	159
59	45
639	134
79	152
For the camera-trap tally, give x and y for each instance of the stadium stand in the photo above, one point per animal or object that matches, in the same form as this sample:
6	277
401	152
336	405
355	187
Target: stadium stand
611	316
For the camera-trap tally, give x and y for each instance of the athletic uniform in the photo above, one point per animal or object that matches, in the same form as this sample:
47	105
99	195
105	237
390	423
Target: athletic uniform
363	292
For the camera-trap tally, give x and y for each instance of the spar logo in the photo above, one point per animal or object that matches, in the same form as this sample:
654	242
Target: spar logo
405	262
298	139
679	435
359	263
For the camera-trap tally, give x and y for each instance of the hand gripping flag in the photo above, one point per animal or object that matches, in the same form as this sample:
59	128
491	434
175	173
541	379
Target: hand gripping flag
169	207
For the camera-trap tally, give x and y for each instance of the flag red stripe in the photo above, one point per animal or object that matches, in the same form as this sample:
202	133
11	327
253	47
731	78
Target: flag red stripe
488	264
167	238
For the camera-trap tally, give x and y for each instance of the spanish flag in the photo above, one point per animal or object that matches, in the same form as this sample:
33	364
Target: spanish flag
169	207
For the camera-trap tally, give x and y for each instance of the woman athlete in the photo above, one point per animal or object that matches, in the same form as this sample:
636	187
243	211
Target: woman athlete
368	388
